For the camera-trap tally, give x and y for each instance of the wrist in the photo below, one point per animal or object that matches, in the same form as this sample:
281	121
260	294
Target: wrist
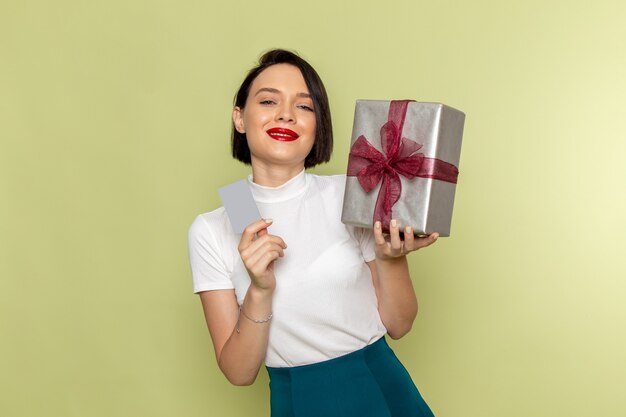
256	306
260	292
390	260
258	295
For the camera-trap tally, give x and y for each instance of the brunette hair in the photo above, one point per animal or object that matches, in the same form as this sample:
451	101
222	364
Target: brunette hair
323	146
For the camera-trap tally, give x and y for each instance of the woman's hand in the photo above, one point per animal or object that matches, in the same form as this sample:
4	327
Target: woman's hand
393	247
259	250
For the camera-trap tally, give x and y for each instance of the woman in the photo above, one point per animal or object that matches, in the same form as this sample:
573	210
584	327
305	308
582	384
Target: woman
308	295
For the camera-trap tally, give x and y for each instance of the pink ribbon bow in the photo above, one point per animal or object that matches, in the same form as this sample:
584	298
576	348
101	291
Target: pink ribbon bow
400	157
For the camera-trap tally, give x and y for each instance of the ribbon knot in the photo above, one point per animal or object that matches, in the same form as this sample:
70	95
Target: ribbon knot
400	157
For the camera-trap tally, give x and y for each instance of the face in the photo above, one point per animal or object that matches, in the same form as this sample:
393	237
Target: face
278	118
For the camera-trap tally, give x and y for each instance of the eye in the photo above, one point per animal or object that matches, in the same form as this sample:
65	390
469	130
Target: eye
267	102
306	107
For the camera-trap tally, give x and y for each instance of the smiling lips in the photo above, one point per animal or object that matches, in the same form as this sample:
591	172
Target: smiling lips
282	134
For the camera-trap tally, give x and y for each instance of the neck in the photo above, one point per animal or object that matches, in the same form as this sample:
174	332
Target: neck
274	175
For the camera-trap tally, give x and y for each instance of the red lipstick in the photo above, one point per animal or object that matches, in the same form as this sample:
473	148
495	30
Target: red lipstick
282	134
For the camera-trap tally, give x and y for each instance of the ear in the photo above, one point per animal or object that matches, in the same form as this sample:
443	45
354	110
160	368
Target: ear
238	120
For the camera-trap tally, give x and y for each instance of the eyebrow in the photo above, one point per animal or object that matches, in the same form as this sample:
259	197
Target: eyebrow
277	91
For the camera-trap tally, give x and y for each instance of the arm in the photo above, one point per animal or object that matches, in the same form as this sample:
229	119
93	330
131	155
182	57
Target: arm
397	303
239	355
241	344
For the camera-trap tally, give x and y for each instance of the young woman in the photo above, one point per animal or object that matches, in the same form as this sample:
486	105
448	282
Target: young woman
299	290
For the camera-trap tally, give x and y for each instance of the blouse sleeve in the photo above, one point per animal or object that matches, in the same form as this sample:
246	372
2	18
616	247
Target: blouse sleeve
208	269
366	241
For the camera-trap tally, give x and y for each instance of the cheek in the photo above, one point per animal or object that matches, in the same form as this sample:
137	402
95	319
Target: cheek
256	119
311	125
314	134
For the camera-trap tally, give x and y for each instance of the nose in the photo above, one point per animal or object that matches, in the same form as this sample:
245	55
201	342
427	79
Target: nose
285	114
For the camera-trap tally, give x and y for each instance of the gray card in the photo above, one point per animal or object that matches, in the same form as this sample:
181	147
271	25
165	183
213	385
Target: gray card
239	204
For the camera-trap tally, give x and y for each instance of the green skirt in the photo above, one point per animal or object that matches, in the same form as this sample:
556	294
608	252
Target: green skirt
370	382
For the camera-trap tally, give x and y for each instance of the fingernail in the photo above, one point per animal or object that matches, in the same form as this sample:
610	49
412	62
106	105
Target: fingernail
394	223
268	221
436	236
377	225
407	229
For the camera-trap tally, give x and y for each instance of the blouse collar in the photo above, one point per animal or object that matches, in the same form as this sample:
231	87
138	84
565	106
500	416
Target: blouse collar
292	188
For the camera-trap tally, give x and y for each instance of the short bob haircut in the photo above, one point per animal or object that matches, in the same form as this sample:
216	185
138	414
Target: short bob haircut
323	146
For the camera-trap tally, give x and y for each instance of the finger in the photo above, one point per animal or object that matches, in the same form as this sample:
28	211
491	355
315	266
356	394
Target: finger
251	230
427	241
255	251
263	263
261	242
409	239
378	234
394	232
260	247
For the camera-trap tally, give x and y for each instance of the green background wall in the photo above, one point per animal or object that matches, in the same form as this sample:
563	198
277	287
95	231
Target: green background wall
114	129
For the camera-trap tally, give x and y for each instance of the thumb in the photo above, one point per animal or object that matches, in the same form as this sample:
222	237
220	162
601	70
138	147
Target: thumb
263	231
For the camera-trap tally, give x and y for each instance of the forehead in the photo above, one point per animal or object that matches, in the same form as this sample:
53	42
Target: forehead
283	77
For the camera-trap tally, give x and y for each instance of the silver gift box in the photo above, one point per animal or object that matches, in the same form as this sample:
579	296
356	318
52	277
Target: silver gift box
425	203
